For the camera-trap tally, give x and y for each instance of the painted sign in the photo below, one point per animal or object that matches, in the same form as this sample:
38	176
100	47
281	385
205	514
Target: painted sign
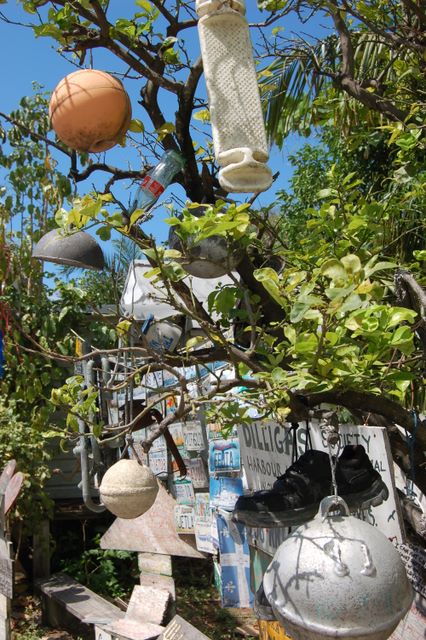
184	518
224	492
158	462
193	436
196	470
234	564
203	523
183	491
176	430
266	451
224	456
180	629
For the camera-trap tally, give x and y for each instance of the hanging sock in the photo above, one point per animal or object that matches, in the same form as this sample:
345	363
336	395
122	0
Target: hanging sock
238	128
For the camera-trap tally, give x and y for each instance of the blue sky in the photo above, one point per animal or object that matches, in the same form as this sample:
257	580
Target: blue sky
27	59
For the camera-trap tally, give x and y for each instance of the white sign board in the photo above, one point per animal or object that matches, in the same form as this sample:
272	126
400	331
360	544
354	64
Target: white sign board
266	452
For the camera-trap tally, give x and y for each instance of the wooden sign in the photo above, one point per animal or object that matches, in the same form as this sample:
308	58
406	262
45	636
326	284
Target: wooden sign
13	489
179	629
6	475
6	575
153	532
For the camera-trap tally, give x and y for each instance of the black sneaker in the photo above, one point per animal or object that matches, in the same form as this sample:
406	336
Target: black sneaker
358	483
294	497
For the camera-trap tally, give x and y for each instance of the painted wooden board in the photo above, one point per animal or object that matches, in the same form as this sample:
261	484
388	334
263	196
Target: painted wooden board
159	582
13	489
153	532
134	630
155	563
79	601
7	474
180	629
266	451
148	604
6	575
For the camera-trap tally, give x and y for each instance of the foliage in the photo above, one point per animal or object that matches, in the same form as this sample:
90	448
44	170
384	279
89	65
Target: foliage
322	309
107	572
26	443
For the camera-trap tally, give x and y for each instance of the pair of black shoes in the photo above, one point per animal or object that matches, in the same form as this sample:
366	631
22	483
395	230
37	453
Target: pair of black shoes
295	496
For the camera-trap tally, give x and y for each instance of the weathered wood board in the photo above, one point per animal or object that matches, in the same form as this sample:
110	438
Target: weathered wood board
12	491
80	602
153	532
148	604
6	475
180	629
134	630
6	575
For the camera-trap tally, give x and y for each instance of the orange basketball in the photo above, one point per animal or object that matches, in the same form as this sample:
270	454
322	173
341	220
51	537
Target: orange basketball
90	110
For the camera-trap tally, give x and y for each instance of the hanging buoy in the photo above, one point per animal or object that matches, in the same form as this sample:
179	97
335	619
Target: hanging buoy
128	489
337	577
90	110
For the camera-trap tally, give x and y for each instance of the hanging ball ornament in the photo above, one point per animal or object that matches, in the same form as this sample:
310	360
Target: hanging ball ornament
337	577
90	110
128	489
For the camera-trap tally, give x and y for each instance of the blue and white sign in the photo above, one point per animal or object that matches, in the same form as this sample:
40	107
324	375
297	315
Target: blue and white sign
234	564
224	456
224	492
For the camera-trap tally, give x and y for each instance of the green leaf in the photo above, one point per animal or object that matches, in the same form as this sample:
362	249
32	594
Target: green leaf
351	263
399	314
334	269
165	129
306	343
145	5
104	233
136	126
203	115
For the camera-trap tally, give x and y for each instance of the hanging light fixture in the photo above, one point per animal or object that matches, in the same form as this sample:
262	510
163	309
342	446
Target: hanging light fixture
78	249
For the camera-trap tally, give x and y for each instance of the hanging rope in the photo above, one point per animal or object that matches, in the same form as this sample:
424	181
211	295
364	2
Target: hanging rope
294	455
411	443
308	441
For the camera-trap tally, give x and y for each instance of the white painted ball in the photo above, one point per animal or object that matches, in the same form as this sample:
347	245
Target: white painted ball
128	489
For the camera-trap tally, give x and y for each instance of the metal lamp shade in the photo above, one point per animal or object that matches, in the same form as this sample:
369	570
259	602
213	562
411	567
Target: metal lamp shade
78	249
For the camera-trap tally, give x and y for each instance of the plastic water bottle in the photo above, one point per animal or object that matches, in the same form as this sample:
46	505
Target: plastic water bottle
157	179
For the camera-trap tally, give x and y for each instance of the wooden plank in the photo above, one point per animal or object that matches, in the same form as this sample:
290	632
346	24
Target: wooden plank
80	602
6	576
13	489
134	630
159	582
5	600
180	629
155	563
148	604
41	551
7	474
153	532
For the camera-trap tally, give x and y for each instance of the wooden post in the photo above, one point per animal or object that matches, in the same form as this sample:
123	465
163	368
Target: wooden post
156	571
6	576
41	551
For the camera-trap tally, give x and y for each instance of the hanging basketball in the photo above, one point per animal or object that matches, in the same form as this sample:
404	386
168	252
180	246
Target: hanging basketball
90	110
128	489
